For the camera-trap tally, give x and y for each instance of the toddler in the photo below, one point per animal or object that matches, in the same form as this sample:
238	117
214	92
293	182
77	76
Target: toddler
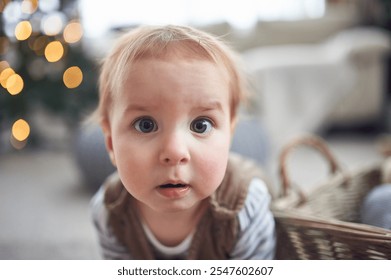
168	105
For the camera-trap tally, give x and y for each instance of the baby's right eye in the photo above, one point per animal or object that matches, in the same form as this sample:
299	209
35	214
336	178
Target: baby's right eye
145	125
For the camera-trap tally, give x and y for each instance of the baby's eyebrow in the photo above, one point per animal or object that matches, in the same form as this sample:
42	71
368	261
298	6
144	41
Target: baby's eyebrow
209	106
202	106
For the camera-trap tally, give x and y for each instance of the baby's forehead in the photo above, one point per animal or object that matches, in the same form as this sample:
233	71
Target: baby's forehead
153	83
162	72
195	71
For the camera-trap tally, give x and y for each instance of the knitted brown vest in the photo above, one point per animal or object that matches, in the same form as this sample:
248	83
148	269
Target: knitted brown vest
217	230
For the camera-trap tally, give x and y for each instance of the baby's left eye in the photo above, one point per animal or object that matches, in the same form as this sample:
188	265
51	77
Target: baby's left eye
201	126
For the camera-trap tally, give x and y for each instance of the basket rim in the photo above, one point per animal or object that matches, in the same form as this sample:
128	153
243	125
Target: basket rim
360	231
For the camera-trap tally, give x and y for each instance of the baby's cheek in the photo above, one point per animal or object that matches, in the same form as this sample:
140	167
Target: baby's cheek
213	168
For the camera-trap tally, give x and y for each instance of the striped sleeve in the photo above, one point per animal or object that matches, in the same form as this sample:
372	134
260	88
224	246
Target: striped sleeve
257	229
109	246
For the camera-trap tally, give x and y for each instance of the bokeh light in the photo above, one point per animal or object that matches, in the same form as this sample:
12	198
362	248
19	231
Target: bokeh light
29	6
53	23
12	12
73	32
73	77
20	130
15	84
23	30
54	51
48	6
4	75
35	52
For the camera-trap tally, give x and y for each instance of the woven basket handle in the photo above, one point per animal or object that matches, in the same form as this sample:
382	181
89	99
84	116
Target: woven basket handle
306	140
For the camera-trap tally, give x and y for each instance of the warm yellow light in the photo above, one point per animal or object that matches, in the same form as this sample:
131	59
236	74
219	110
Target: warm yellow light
15	84
23	30
29	6
54	51
73	32
20	130
5	74
73	77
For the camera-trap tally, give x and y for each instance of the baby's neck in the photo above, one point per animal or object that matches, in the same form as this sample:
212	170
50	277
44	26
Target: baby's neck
171	228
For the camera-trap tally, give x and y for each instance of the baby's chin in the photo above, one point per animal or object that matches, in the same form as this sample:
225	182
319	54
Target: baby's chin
175	206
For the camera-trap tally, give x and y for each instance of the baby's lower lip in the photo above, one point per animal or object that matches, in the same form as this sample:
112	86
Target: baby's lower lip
173	191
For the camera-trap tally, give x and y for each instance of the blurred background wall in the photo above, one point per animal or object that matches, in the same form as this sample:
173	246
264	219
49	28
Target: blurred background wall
319	66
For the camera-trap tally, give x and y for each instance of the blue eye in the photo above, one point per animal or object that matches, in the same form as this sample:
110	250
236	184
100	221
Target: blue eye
145	125
201	126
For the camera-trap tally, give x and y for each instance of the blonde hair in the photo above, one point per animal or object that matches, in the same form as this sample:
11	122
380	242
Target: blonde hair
162	42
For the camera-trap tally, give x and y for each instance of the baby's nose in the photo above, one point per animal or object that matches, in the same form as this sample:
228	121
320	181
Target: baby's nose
174	150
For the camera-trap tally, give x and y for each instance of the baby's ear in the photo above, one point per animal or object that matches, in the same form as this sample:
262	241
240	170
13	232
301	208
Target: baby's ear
108	140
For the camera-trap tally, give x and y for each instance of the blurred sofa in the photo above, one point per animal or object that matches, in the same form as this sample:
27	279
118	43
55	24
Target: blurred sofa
305	87
313	73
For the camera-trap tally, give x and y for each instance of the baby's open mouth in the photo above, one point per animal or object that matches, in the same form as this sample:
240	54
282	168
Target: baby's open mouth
173	190
167	186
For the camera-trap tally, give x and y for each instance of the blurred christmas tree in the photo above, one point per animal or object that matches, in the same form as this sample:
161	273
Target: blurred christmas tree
42	63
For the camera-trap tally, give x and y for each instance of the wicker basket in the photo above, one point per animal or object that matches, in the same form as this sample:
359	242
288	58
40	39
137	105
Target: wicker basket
324	224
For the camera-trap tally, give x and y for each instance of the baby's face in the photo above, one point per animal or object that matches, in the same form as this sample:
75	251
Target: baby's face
170	132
